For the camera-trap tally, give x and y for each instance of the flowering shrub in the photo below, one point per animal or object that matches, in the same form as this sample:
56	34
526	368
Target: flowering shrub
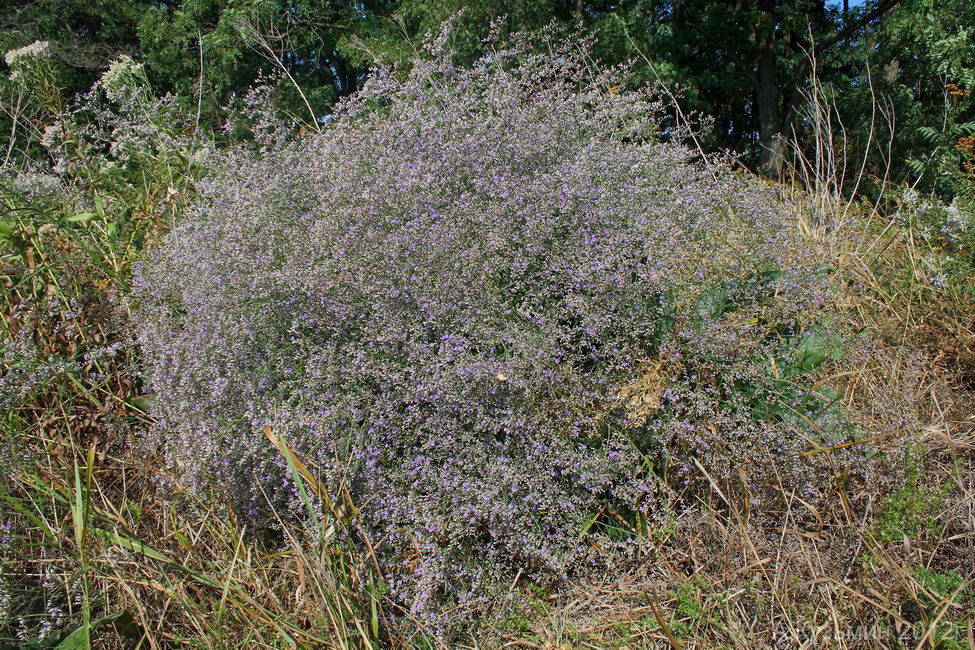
80	191
32	69
442	300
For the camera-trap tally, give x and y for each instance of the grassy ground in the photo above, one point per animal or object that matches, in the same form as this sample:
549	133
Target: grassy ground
100	540
101	546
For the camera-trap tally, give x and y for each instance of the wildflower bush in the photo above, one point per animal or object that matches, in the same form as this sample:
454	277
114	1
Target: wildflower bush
448	301
918	266
117	167
86	183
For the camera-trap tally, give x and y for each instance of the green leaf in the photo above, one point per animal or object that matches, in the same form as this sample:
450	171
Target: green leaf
812	348
713	303
810	354
122	621
133	545
80	639
84	216
77	510
139	403
588	523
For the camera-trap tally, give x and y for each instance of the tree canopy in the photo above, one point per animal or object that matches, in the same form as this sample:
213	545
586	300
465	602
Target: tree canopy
744	64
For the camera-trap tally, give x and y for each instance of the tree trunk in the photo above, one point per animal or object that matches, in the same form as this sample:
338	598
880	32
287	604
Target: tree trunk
892	71
768	95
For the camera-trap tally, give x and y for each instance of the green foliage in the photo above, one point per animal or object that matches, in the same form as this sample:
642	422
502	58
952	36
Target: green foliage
208	50
935	36
692	609
913	509
939	593
906	89
943	585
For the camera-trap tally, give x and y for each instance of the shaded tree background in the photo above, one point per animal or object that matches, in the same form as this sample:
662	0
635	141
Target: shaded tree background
742	64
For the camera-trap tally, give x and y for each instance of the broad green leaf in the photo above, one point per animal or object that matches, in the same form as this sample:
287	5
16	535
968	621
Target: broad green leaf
80	639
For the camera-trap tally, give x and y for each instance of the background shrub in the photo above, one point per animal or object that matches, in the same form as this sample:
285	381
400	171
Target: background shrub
441	301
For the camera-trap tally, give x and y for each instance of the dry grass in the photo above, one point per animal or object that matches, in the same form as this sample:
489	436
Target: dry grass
882	561
102	532
187	571
886	560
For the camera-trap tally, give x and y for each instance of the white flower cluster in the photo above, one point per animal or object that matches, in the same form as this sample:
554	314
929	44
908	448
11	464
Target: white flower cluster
35	49
932	219
910	196
19	57
123	73
955	219
54	134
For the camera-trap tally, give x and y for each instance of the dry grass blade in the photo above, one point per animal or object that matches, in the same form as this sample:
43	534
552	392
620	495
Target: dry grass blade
674	643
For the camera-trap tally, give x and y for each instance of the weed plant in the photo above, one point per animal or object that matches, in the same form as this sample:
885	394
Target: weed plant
440	300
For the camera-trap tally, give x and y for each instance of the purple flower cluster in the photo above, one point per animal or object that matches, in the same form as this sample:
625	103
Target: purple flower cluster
437	301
